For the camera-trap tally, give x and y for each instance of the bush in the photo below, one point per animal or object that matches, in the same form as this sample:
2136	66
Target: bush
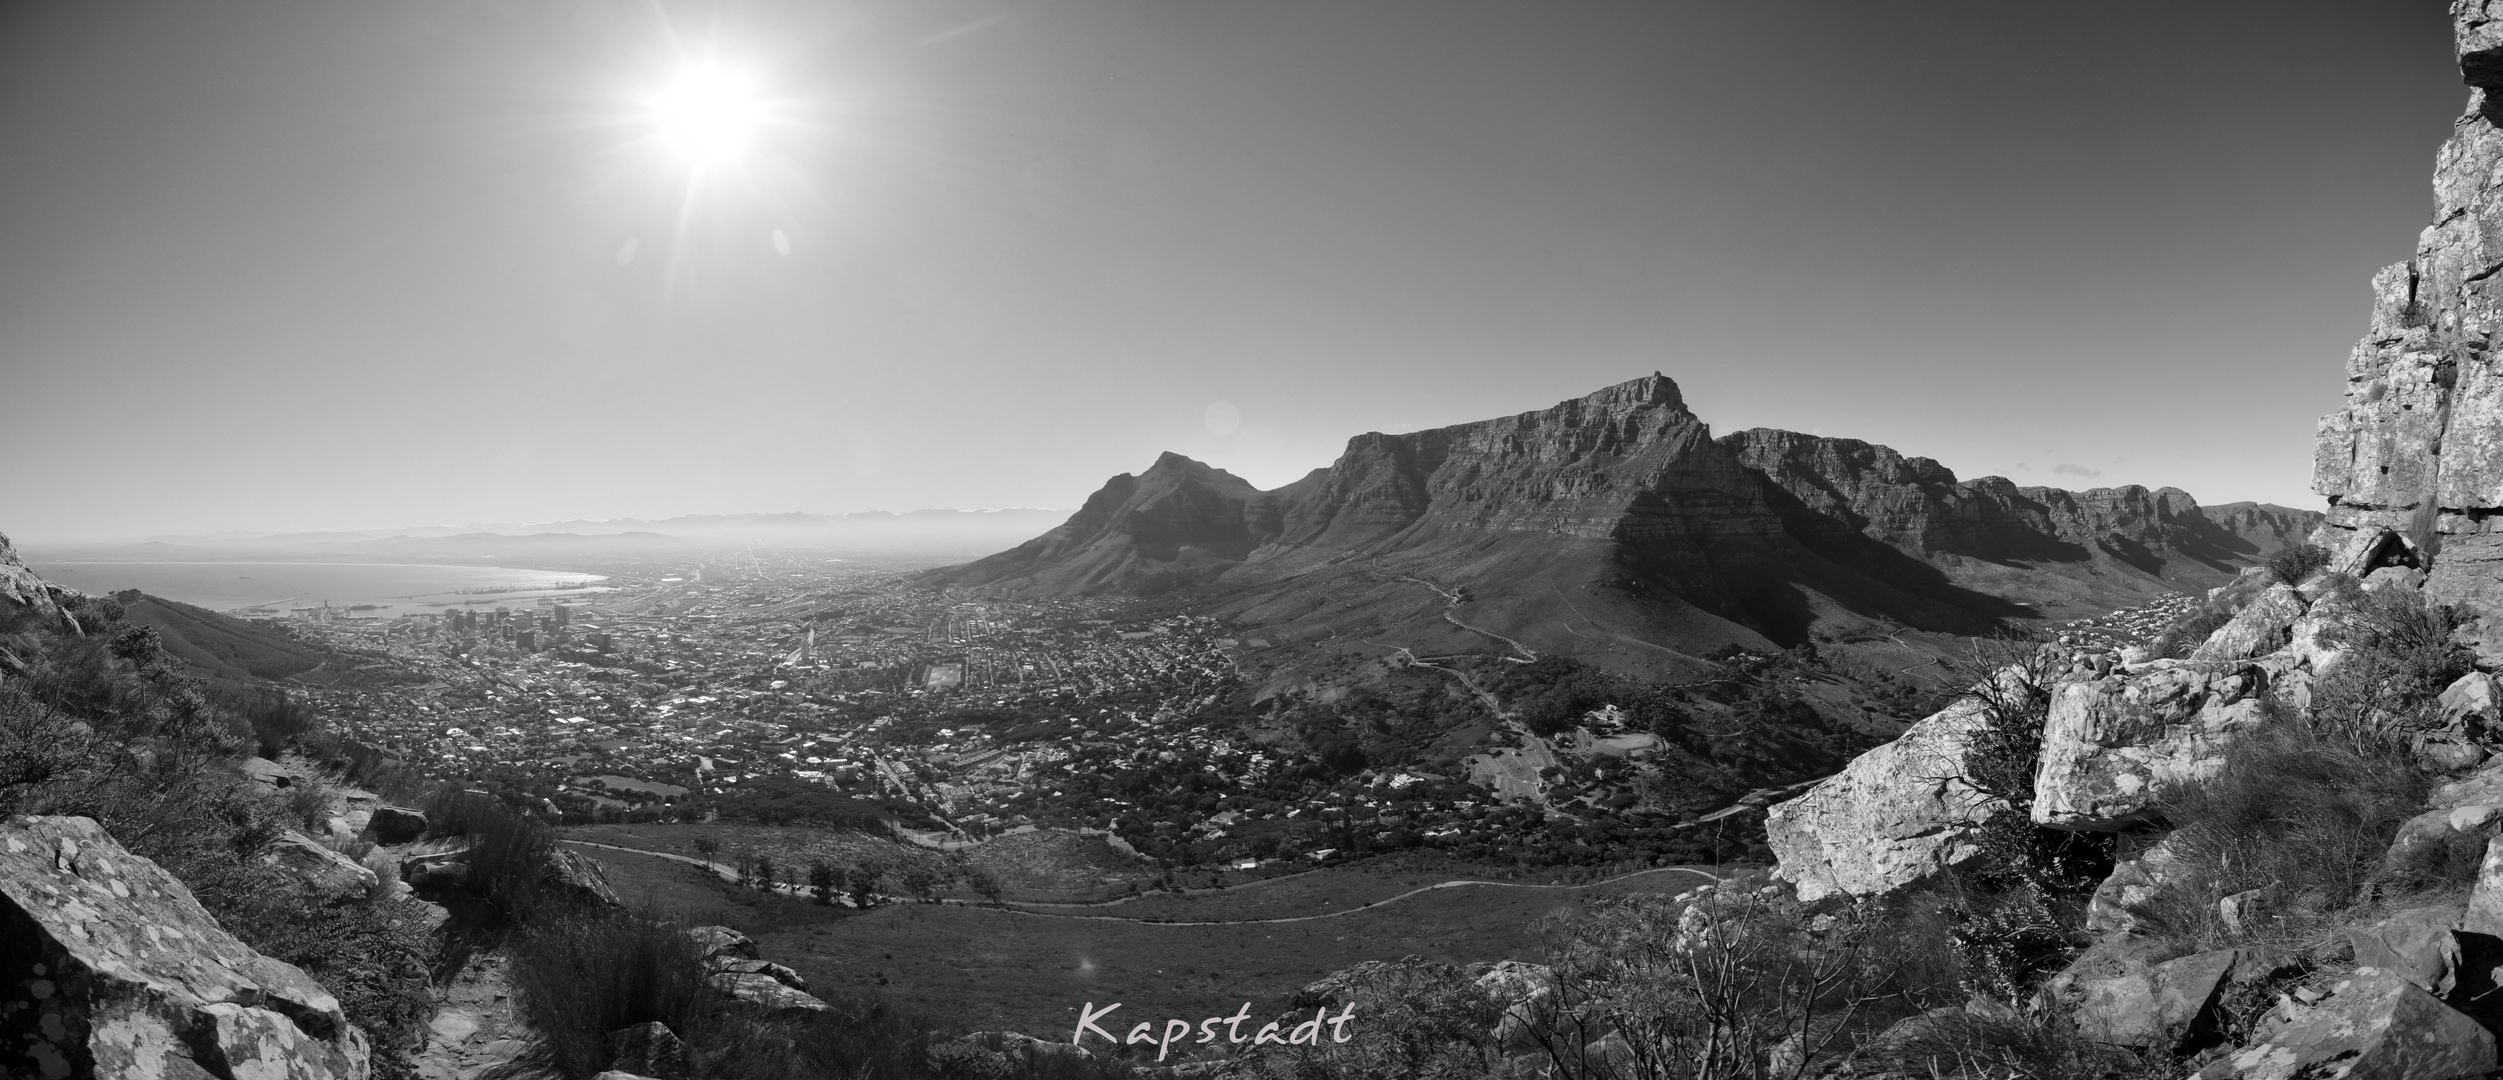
578	977
2307	816
2397	656
2292	565
2187	632
510	856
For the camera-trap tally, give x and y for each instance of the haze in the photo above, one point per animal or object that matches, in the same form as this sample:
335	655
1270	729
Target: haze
274	266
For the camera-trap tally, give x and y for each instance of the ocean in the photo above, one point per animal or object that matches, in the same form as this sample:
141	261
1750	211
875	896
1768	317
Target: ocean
392	588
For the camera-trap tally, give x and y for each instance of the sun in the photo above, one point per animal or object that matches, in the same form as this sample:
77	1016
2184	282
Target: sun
708	115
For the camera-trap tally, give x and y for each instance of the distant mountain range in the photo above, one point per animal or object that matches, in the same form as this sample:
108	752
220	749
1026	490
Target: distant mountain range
1616	525
871	521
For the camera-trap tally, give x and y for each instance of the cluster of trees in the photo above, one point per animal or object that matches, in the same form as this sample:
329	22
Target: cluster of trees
859	881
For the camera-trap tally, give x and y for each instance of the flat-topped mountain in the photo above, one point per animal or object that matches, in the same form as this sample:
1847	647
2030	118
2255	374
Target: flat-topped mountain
1617	523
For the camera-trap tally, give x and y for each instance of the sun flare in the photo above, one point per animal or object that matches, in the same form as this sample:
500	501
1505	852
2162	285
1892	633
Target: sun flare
708	115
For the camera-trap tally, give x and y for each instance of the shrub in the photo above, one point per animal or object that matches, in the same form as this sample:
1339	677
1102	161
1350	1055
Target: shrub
510	856
2397	657
2292	565
2308	816
2009	679
579	976
2188	631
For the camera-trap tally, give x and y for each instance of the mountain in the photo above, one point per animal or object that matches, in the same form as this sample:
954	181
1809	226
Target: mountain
1616	524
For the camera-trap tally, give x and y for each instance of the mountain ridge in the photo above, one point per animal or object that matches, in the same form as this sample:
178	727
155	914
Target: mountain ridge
1618	516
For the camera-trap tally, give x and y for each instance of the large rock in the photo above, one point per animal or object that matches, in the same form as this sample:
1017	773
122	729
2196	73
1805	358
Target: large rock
2374	1026
2117	903
328	876
2421	945
722	941
2157	1008
647	1049
128	977
763	994
1896	815
577	879
2111	746
2485	899
397	824
2263	626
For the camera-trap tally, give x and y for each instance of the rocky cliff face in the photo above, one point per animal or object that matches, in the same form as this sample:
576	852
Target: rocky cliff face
2413	462
19	585
1616	521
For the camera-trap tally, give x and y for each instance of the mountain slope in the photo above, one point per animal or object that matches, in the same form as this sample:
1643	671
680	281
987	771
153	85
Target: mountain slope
1616	523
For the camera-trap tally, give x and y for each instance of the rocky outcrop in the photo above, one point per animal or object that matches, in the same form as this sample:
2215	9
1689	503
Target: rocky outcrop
1895	816
19	585
328	876
2111	746
2159	1007
732	969
128	976
2412	463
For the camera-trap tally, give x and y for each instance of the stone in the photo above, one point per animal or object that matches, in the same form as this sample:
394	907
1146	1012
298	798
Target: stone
767	968
2110	747
574	877
328	876
723	941
2420	945
647	1049
2161	1008
2474	702
1525	991
135	979
477	1030
397	824
763	994
1896	815
2485	898
2114	907
2263	626
2373	1026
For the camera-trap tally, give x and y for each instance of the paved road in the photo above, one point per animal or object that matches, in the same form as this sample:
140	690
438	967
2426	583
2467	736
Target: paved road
726	874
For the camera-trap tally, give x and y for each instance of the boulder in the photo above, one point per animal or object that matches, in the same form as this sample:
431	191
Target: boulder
2111	746
2430	842
2373	1026
2161	1008
2251	911
328	876
2263	626
723	941
19	585
1004	1054
764	994
647	1049
767	968
128	976
2421	945
2485	898
2114	908
1527	993
2474	703
576	878
397	824
1896	815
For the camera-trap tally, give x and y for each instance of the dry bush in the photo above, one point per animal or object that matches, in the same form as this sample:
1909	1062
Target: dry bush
2306	814
2187	632
2397	656
2292	565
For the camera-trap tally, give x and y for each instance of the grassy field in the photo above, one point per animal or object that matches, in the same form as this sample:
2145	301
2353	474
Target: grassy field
977	968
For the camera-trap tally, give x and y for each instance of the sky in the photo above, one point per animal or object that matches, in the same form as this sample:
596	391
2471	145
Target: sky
287	266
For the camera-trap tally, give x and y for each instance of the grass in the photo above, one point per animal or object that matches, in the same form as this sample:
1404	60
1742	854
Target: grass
978	968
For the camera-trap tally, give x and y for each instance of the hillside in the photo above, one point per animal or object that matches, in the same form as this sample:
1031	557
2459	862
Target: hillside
1617	527
223	646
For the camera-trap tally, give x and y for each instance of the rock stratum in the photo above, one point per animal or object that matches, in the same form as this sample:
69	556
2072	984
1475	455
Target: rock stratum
1617	522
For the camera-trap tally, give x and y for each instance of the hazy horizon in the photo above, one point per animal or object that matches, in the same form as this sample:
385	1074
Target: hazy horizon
272	269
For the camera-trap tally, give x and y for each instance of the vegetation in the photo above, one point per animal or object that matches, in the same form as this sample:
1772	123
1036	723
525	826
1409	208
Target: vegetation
2295	564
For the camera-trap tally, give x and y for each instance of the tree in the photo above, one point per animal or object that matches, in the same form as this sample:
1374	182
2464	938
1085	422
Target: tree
984	884
824	881
865	878
765	872
921	881
707	848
